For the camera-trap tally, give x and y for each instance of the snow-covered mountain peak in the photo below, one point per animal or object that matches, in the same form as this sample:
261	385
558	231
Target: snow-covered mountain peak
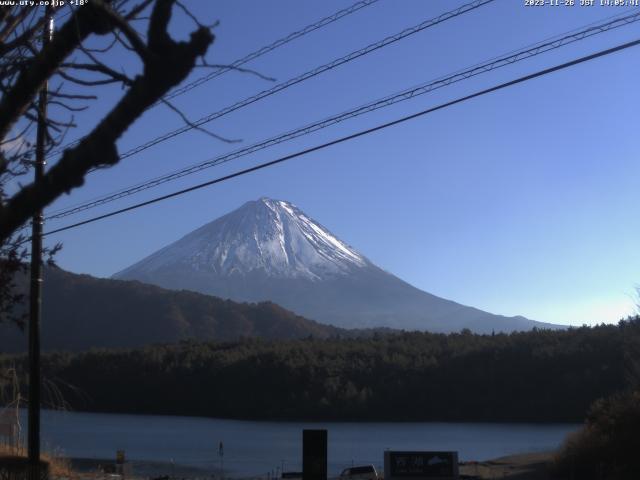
266	236
269	250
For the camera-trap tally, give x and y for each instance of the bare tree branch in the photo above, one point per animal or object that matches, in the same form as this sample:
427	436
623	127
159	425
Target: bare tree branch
218	66
98	148
85	21
186	120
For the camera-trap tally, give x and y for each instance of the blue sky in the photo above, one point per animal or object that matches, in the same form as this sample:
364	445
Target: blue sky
522	202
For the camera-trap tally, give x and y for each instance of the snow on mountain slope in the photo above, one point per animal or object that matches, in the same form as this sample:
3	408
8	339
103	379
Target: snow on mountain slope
270	250
270	236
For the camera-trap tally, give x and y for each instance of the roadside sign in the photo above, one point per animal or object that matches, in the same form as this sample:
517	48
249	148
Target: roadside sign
420	465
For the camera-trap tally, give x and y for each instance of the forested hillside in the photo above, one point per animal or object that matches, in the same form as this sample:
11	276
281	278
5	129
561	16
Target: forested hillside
81	311
533	376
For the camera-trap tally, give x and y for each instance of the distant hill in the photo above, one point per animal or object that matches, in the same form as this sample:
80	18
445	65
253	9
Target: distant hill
270	250
80	312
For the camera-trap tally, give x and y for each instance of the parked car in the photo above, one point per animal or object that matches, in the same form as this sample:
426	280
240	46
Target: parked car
363	472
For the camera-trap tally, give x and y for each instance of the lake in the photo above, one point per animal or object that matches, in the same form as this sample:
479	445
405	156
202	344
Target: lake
257	448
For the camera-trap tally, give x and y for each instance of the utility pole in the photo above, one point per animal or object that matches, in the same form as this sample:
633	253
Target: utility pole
221	457
36	276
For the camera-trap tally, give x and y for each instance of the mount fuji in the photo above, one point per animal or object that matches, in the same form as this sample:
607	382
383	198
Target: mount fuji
271	250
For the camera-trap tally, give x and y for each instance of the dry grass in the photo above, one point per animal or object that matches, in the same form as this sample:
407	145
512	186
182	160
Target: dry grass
58	466
532	466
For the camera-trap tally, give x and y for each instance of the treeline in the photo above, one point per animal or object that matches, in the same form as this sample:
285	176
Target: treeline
537	376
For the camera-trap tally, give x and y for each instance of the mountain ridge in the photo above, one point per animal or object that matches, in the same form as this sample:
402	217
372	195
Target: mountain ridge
270	250
289	245
81	312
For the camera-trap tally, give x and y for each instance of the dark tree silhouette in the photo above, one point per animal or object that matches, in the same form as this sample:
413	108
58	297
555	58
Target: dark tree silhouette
76	63
536	376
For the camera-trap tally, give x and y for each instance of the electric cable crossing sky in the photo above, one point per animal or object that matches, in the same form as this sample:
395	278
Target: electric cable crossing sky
249	57
408	94
355	135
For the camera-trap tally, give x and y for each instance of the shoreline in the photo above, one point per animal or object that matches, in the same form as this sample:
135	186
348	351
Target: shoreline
294	420
524	466
142	468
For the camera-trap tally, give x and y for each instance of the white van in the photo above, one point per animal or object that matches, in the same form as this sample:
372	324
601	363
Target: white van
364	472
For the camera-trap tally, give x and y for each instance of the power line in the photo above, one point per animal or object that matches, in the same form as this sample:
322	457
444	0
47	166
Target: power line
310	74
496	62
278	43
323	22
361	133
307	75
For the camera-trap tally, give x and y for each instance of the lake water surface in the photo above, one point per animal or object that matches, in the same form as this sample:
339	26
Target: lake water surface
255	448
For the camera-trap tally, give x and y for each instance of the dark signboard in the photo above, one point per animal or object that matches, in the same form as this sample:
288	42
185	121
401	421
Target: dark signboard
314	455
295	475
420	465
